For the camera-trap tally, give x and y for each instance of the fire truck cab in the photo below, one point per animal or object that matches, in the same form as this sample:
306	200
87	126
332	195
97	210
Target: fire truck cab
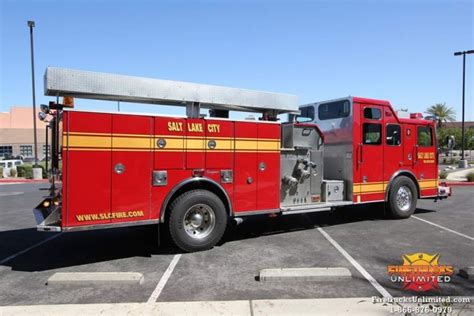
193	173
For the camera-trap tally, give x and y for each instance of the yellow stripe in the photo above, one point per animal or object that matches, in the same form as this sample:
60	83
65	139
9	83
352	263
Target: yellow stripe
221	144
268	145
246	144
175	143
171	143
428	184
88	141
131	142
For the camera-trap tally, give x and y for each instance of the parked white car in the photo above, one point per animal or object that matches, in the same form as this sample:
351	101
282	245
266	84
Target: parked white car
8	165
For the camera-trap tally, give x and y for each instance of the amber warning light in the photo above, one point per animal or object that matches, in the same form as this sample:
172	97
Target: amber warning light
68	102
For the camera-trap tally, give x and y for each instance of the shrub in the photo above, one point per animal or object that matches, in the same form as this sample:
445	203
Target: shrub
13	172
470	177
25	171
443	174
1	172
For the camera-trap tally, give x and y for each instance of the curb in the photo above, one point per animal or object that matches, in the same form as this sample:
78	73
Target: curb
323	306
19	180
459	183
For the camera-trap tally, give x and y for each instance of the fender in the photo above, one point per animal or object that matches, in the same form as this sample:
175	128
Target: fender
400	173
194	180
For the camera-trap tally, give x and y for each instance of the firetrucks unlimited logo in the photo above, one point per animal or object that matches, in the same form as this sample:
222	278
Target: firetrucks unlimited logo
420	272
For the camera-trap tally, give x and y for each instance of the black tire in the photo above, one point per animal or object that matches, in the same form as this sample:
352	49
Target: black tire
197	220
402	197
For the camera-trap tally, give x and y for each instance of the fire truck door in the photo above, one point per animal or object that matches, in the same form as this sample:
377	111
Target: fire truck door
370	153
132	160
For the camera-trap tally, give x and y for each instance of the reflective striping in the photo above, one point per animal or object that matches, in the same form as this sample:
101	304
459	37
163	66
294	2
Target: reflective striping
381	187
246	144
88	141
130	142
221	144
171	143
428	184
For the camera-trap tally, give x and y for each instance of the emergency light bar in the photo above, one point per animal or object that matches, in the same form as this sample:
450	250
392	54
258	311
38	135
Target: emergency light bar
112	87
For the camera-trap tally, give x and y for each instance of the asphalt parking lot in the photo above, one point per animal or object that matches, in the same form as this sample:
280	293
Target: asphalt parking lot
229	271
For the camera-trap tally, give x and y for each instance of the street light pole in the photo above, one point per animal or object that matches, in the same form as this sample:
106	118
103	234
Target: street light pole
31	25
463	163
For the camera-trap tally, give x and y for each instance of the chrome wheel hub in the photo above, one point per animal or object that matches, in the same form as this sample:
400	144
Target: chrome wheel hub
404	198
199	221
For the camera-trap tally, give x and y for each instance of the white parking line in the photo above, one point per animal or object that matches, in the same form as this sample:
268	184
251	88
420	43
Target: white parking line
156	293
5	260
442	227
356	265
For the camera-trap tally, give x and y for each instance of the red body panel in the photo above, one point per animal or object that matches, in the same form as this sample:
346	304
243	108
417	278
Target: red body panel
268	174
87	174
132	142
95	145
245	174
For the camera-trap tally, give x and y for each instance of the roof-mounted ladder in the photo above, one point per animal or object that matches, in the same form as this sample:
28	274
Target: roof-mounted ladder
112	87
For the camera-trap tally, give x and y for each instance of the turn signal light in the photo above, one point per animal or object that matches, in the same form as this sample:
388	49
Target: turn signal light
68	102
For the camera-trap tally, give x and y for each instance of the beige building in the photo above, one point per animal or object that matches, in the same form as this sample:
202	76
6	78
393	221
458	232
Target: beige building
16	133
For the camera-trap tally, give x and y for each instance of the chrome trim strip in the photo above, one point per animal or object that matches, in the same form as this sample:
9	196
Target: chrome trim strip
259	212
166	201
111	225
321	209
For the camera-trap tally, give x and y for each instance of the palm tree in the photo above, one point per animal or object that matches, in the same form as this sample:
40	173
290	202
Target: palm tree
442	112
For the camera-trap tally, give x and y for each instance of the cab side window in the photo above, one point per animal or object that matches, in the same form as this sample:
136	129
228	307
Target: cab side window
393	135
425	136
372	134
372	113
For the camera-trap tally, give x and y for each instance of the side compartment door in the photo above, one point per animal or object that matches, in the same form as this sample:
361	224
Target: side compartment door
86	157
245	167
132	162
268	166
371	153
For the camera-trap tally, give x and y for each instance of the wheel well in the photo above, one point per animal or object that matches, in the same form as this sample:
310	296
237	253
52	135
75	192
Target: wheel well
208	185
406	174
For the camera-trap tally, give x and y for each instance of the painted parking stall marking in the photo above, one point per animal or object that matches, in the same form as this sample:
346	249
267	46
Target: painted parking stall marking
442	227
356	265
161	285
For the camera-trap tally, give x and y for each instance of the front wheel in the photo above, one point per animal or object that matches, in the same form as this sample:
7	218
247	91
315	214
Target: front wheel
402	197
197	220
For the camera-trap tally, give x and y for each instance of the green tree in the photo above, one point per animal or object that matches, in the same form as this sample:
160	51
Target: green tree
443	112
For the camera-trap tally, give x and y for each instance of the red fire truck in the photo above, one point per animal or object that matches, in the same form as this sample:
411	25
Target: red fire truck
194	173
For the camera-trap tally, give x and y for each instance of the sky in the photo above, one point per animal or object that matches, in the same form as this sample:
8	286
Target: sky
400	51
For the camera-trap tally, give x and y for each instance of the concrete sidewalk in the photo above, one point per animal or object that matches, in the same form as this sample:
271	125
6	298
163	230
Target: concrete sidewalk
330	306
459	175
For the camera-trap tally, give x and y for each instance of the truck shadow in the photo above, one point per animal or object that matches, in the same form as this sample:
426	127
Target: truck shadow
255	226
79	248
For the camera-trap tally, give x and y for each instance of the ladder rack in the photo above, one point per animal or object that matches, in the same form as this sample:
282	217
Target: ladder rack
113	87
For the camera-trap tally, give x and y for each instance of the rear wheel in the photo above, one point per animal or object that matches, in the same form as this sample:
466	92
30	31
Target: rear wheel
402	197
197	220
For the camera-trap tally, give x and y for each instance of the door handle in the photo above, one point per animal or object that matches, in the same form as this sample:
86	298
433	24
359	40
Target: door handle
360	158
